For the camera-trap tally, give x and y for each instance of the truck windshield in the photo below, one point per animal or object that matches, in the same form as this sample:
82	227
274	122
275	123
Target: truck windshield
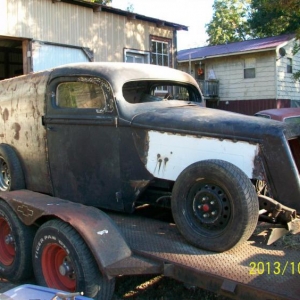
153	91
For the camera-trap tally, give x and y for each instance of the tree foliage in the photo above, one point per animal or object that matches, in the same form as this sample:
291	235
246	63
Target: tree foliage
229	22
235	20
130	7
103	2
274	17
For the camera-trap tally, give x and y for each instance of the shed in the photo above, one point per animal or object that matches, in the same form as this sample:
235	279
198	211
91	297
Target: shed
246	76
41	34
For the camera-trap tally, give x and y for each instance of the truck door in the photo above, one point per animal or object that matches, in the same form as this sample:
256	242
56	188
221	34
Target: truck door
83	141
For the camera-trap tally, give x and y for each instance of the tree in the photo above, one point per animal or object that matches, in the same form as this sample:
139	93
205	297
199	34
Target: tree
274	17
130	7
229	22
103	2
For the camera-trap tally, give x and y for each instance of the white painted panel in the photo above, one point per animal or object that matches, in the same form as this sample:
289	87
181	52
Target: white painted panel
169	154
45	56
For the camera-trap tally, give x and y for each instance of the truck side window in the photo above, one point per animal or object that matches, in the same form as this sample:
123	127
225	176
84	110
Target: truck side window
80	95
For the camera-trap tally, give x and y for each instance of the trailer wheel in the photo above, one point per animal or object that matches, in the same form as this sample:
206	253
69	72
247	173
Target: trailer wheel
11	174
15	245
214	205
62	260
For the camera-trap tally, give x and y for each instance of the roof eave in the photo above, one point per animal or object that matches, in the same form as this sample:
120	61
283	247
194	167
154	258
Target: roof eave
240	52
227	54
130	15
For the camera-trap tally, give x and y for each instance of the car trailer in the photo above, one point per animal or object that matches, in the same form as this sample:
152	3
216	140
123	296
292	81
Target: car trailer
128	245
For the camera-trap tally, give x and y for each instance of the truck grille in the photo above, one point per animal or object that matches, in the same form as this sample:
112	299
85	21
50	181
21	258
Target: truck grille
295	149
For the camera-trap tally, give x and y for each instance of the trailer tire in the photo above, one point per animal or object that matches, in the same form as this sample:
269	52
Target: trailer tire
15	246
62	260
214	205
11	173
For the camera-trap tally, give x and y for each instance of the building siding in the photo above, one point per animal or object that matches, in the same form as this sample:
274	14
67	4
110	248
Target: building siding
105	33
287	88
233	86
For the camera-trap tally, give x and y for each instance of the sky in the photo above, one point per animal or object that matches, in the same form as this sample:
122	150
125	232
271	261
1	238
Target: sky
192	13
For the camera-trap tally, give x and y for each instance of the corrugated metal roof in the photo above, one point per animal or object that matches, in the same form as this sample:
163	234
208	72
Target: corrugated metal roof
98	7
263	44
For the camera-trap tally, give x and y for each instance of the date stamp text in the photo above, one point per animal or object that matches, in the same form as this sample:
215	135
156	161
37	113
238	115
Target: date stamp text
274	268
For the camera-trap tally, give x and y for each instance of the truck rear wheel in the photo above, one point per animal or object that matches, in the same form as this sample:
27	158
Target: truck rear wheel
11	174
15	246
214	205
62	260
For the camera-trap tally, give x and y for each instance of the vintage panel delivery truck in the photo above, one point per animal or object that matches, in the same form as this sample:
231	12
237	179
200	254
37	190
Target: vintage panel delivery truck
115	136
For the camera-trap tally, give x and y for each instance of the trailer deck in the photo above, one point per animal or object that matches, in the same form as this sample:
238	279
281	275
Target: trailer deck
251	271
148	242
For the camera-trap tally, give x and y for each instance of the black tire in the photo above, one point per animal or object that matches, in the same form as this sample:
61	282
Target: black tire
15	246
62	260
214	205
11	173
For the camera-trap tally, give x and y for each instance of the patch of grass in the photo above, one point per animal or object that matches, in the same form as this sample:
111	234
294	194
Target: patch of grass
289	241
159	288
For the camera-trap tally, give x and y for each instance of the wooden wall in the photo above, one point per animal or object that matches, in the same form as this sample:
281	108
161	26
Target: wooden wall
107	34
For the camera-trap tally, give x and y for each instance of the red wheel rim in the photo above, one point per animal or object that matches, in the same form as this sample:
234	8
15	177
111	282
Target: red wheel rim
58	269
7	246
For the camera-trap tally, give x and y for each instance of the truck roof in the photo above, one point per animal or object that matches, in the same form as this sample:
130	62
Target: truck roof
118	73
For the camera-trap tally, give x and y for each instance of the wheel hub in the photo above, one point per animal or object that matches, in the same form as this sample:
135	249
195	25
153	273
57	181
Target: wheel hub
4	175
211	206
7	244
58	269
66	268
9	239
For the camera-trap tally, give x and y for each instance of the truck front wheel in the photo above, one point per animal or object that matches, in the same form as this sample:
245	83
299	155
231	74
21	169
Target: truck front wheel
62	260
11	173
214	205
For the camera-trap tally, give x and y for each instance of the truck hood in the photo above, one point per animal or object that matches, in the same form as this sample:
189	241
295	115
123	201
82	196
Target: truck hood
193	119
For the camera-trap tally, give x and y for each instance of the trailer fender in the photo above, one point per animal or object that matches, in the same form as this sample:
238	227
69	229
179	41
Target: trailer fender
99	231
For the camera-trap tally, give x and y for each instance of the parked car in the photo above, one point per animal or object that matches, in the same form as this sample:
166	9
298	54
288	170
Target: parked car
288	115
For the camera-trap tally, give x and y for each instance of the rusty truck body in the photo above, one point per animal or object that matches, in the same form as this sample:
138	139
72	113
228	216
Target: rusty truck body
114	136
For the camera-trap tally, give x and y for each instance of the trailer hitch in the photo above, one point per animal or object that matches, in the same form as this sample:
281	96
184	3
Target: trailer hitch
66	296
283	219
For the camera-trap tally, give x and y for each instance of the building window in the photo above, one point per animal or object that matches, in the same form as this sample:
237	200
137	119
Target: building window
136	56
249	67
160	52
289	68
160	55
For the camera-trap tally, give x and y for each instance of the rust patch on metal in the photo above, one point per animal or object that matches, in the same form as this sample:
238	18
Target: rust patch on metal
139	185
141	141
5	115
259	170
161	162
16	127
